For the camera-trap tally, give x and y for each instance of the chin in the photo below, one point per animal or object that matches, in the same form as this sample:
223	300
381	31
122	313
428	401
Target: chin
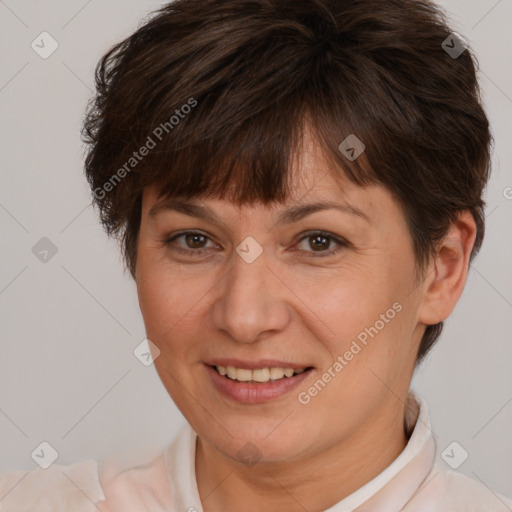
263	441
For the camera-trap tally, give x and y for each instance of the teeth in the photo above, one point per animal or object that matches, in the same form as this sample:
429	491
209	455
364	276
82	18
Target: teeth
243	375
262	375
259	375
276	373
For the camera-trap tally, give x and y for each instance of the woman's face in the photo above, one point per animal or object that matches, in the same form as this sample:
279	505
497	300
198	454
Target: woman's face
331	290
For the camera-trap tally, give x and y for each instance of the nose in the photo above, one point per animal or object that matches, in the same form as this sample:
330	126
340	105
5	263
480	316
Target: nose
251	301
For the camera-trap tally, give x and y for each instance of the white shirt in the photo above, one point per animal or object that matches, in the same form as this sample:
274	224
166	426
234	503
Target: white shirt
414	482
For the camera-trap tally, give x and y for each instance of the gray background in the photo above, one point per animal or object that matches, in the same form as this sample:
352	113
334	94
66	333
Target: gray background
68	326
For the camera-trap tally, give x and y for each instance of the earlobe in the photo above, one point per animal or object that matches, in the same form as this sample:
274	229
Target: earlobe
445	283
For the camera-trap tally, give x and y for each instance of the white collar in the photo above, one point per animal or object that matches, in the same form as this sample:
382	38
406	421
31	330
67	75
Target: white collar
387	492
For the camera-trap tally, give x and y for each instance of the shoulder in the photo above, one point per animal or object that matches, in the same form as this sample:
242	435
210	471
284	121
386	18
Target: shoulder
58	488
86	486
140	488
462	493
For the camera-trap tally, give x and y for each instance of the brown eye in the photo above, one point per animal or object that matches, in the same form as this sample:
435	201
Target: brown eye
195	240
191	242
321	243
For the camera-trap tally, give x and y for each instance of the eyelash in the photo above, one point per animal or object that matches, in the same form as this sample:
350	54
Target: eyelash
322	254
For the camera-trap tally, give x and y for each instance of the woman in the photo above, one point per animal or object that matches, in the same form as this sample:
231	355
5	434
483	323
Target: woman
297	187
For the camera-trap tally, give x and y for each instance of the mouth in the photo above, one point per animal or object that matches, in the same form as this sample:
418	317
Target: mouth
258	375
258	384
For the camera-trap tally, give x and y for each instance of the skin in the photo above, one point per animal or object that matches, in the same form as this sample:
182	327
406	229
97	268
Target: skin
290	305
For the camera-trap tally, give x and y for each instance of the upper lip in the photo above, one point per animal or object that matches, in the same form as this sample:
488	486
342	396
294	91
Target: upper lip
255	364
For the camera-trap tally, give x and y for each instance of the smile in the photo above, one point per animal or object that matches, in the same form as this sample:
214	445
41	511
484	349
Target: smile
257	375
256	385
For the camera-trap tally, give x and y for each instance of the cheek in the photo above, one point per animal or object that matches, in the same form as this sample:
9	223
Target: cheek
154	299
364	316
160	292
343	304
172	305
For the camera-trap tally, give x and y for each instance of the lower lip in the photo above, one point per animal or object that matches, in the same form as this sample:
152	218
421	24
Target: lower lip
254	392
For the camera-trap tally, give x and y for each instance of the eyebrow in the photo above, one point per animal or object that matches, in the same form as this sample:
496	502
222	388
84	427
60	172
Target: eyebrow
288	216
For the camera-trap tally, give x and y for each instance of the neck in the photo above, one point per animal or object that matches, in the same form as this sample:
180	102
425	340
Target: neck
315	483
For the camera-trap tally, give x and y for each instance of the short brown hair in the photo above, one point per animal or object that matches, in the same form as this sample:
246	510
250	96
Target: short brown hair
250	72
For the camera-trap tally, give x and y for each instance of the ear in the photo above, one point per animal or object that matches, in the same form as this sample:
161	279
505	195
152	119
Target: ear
448	271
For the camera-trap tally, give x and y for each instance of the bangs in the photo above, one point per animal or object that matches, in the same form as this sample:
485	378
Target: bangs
255	161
